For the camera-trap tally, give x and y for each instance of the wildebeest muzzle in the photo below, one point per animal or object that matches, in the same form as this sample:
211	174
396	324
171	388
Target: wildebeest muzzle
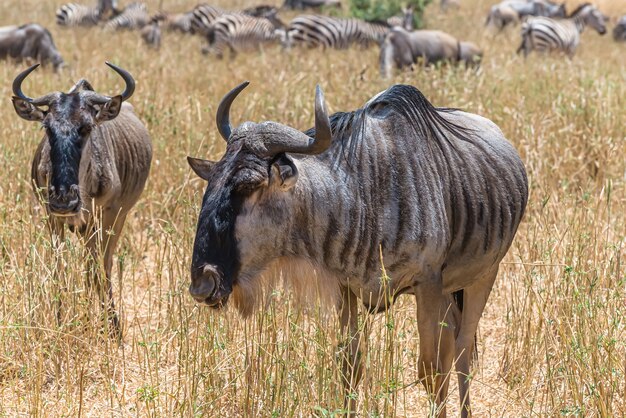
64	202
207	286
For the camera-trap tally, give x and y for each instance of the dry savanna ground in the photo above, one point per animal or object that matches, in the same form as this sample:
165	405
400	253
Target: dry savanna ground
552	339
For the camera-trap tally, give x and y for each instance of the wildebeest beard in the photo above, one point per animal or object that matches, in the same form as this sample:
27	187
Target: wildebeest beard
65	152
215	242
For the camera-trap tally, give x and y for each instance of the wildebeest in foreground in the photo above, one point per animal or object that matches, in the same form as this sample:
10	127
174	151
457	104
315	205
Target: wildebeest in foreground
402	48
90	167
29	41
436	193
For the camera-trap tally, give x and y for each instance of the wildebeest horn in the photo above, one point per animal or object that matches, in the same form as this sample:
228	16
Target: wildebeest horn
222	118
17	83
299	143
130	82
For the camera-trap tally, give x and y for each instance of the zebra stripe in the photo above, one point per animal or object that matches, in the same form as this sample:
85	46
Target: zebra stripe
203	18
134	16
239	32
545	34
330	32
72	14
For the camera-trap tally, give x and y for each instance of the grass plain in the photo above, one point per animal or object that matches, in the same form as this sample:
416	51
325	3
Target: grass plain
552	341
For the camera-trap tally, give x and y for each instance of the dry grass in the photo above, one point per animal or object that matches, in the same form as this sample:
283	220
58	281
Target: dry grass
552	340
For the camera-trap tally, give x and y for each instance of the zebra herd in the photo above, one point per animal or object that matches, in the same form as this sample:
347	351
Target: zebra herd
545	27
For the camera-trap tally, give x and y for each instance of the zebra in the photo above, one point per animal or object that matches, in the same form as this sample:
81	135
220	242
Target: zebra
73	14
134	16
619	31
330	32
238	32
175	22
545	34
203	17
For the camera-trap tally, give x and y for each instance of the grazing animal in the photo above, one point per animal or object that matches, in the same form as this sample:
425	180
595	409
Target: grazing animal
74	14
203	18
331	32
30	41
134	16
310	4
544	34
619	31
435	193
241	32
402	49
512	11
90	167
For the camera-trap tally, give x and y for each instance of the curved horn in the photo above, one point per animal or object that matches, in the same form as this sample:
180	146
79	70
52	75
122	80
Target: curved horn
292	140
130	82
17	83
222	118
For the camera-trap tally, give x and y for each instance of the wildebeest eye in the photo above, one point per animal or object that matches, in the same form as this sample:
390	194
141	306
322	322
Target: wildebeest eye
247	180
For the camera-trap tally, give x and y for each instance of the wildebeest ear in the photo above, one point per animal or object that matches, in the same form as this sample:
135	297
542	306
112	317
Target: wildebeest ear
27	110
284	173
201	167
110	109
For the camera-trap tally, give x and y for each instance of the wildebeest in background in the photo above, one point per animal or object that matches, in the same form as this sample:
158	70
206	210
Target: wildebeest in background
619	31
402	49
310	4
544	34
90	167
30	41
436	193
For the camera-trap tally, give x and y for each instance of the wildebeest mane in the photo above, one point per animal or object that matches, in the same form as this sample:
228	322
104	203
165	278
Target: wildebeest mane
423	118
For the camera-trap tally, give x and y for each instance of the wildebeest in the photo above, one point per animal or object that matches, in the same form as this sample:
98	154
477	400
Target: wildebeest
619	31
436	194
90	167
402	49
544	34
30	41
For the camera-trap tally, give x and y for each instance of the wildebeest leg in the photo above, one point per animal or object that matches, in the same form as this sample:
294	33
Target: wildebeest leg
57	236
350	356
474	300
435	325
103	241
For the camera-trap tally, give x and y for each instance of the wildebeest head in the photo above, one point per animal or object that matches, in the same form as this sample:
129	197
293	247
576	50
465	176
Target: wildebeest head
255	169
68	119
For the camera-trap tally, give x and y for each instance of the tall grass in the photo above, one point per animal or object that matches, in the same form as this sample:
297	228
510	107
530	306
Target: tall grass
551	342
